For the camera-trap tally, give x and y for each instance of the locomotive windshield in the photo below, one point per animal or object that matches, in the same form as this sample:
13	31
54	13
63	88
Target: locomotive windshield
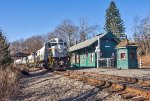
54	44
56	41
60	43
49	45
65	43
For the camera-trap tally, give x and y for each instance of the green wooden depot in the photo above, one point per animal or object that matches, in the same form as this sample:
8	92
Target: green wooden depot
127	55
108	47
84	55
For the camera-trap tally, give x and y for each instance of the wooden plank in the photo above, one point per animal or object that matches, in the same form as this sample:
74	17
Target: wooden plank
127	96
138	99
120	93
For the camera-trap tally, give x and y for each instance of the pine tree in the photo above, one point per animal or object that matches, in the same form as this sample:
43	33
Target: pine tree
5	58
113	22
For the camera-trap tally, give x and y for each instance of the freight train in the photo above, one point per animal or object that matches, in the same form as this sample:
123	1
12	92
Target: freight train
53	55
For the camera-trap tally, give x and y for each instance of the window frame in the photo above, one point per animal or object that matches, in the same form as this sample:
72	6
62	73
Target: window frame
122	57
92	57
73	59
77	59
83	58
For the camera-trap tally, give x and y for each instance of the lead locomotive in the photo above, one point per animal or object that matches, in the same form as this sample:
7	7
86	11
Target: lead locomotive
53	55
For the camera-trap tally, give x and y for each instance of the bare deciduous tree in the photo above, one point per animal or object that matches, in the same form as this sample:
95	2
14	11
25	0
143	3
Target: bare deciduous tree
27	46
68	31
141	33
51	35
85	30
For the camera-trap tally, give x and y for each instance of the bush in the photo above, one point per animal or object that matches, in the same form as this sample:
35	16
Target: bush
5	58
8	82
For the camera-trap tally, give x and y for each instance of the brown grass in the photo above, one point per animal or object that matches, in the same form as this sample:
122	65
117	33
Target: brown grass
8	82
145	60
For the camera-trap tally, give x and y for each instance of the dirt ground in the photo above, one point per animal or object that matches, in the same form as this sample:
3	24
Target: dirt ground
44	85
134	73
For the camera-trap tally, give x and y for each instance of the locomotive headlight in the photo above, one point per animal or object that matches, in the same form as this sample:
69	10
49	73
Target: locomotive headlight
68	58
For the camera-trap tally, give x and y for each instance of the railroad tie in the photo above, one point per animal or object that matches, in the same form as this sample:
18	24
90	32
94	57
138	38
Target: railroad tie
112	85
138	99
127	96
121	93
118	90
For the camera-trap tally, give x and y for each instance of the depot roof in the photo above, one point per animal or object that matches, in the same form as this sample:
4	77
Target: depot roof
86	43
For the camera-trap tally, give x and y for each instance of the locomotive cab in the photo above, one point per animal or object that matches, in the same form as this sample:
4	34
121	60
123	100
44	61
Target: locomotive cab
57	54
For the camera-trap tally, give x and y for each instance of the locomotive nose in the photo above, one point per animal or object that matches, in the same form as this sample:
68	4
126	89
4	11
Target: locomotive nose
60	48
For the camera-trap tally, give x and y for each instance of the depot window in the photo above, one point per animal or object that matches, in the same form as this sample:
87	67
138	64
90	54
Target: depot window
73	59
77	58
92	57
122	55
83	59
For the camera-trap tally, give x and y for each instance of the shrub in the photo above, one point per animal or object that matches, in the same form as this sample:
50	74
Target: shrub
5	58
8	82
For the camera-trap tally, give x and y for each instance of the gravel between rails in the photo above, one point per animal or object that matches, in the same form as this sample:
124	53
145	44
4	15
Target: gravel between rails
135	73
43	85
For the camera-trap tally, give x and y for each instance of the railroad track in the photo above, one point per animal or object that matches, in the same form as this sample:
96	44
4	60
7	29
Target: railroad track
129	88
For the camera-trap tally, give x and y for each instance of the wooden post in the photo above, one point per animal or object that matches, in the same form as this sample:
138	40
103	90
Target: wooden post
107	62
140	63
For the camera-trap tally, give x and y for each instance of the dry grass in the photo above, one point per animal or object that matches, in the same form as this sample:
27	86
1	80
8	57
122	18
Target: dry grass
145	60
8	82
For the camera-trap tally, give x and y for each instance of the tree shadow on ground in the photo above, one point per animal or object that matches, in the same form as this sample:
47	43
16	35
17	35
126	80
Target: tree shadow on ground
145	69
79	68
38	73
84	96
92	94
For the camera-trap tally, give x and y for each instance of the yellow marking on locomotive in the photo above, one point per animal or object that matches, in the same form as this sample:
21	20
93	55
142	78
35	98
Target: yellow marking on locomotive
51	60
51	48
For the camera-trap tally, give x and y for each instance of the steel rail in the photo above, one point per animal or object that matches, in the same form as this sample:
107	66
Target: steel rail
113	84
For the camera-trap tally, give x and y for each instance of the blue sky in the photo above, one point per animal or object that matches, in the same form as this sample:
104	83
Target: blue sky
26	18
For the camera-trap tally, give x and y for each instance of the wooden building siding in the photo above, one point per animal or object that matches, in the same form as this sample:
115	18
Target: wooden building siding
130	61
87	55
87	58
82	60
107	47
122	62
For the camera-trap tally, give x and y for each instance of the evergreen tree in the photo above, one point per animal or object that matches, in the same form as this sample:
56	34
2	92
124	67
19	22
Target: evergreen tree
113	22
5	58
